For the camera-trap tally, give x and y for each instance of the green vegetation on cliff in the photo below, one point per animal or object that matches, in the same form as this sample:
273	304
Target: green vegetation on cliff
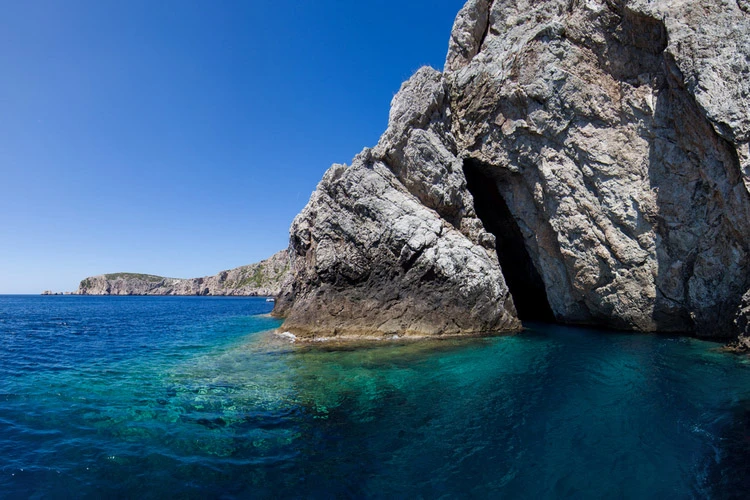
125	276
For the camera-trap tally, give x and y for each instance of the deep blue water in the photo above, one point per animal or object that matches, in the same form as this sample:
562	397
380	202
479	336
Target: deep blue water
162	397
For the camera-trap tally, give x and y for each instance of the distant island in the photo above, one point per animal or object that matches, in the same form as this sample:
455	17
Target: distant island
260	279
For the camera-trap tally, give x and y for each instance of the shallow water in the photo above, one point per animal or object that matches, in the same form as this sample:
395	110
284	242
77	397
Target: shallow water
190	397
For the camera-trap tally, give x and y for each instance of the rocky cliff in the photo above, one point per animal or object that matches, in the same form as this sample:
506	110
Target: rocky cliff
261	279
585	161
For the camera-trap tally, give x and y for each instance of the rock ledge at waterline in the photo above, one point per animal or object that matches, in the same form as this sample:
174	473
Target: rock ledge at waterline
582	161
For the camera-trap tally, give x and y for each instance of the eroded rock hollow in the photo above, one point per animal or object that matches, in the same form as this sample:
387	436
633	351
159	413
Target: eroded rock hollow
585	162
524	282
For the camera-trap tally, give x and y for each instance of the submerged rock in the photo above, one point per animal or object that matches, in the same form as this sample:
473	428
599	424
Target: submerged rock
592	155
260	279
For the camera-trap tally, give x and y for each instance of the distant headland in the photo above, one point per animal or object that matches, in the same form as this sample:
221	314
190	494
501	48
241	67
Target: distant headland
263	278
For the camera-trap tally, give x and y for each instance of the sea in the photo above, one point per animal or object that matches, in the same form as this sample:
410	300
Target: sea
194	397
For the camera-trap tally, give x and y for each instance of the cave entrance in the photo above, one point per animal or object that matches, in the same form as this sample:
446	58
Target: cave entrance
521	275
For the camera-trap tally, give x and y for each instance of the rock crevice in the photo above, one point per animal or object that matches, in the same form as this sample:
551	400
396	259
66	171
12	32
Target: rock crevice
524	281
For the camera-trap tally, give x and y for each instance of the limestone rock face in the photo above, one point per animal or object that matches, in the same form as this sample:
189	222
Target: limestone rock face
742	322
261	279
596	151
370	260
616	133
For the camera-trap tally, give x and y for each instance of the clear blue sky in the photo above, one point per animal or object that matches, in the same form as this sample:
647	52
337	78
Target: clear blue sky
181	138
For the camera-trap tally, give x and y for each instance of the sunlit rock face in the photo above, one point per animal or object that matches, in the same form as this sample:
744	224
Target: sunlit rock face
587	160
391	245
742	324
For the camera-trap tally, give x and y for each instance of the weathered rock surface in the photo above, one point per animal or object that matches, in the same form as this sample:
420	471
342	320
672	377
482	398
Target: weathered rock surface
370	259
261	279
742	322
603	143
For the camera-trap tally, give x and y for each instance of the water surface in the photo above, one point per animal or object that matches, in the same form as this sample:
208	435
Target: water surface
190	397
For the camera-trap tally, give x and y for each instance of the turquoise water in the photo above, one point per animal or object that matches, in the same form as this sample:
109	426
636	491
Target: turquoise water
189	397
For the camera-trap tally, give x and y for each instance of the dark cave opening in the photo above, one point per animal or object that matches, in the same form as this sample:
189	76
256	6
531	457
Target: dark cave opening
521	275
